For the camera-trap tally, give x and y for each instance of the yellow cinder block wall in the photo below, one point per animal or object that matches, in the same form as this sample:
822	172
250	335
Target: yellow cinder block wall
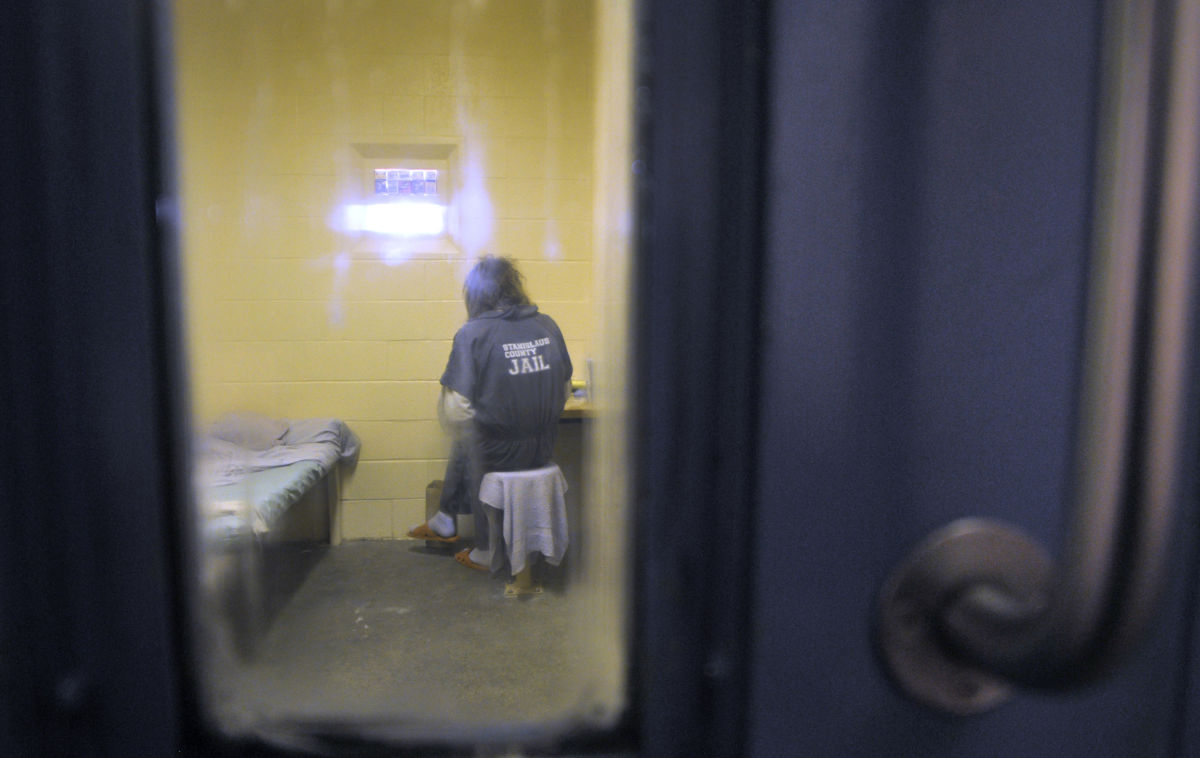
290	317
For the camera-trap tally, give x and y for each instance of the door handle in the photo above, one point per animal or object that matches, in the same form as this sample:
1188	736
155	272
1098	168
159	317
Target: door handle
978	608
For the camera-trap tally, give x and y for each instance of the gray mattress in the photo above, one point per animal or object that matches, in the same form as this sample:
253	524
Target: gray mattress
268	494
252	469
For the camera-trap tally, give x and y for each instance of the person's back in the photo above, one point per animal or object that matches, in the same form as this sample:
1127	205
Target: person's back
512	365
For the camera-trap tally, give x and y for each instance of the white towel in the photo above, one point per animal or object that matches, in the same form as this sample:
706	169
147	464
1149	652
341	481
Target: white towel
535	513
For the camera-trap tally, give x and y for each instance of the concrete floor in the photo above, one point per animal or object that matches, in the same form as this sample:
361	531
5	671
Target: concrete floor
396	631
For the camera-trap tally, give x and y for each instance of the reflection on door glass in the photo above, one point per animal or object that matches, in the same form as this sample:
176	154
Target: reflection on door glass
409	498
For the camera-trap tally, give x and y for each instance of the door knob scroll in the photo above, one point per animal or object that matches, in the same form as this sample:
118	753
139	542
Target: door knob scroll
978	608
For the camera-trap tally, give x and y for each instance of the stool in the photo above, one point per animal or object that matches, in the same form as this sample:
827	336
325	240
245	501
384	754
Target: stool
527	514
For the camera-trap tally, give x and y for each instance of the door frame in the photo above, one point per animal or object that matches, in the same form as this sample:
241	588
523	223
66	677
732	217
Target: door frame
92	561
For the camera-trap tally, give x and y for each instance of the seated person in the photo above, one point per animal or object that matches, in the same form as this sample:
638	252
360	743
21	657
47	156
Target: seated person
504	387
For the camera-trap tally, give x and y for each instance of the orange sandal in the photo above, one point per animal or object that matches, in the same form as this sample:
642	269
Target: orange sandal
464	557
423	532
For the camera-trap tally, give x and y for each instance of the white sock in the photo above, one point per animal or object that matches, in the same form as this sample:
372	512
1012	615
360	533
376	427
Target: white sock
482	557
443	525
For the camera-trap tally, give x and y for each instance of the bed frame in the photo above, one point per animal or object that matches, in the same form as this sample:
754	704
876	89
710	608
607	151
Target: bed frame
248	582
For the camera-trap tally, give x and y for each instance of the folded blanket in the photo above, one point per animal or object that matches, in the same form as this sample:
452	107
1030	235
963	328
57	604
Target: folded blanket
229	452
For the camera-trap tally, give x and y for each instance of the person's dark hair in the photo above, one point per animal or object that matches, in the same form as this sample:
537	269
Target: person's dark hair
493	283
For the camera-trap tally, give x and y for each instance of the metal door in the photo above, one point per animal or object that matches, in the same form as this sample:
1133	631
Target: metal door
931	177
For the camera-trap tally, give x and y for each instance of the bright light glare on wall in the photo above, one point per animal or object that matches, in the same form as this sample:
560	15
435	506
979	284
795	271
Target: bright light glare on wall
396	219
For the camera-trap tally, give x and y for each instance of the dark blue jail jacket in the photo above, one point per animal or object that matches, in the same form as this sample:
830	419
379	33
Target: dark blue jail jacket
512	364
